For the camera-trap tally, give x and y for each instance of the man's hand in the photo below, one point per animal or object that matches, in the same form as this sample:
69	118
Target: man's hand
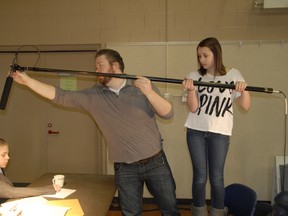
20	77
144	85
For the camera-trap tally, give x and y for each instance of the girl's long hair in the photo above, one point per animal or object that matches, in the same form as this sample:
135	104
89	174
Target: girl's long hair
215	47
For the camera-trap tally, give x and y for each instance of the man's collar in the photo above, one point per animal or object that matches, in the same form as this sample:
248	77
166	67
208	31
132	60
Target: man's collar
129	82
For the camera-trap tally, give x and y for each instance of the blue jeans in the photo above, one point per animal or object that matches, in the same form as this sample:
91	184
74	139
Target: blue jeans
208	154
157	176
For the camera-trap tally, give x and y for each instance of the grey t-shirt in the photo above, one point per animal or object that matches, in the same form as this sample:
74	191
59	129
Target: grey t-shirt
127	120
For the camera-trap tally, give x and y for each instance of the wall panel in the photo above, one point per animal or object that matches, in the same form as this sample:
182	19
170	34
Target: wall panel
258	136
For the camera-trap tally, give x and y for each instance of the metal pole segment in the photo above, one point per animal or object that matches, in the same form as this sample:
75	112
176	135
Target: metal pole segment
156	79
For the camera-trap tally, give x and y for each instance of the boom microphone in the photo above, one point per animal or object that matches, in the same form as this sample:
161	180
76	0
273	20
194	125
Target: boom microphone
7	86
6	92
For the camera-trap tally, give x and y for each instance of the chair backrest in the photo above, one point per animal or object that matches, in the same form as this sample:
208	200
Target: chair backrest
240	200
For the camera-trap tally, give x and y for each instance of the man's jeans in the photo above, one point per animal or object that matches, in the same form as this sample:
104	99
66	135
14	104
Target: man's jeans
208	152
158	178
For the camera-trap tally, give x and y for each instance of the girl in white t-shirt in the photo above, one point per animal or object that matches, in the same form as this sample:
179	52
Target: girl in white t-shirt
210	122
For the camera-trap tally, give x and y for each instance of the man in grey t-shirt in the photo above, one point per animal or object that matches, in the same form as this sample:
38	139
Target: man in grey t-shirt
125	112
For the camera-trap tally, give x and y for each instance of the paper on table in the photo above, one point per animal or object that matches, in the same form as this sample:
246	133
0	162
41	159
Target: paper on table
44	210
35	206
74	204
26	201
63	193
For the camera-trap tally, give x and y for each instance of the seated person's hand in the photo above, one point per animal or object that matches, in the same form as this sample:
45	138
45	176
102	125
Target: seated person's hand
56	187
8	211
15	212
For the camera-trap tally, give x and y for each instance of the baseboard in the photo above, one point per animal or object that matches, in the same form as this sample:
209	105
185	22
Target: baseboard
115	203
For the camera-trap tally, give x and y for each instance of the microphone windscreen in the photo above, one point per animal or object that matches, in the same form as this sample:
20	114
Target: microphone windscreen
6	92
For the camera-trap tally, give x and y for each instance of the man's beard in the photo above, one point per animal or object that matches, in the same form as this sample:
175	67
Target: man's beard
103	80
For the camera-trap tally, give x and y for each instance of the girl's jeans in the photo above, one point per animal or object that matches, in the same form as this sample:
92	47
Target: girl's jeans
208	153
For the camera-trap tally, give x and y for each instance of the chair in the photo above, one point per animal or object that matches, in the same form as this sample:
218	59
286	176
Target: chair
240	200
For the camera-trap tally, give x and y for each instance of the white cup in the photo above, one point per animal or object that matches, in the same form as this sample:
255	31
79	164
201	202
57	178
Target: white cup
58	180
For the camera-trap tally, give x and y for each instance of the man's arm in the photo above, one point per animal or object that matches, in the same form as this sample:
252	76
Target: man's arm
160	105
43	89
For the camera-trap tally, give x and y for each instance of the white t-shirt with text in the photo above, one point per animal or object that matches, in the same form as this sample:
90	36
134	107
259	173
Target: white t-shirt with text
215	111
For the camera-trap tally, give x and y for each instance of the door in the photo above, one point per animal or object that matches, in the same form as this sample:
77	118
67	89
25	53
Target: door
74	143
22	126
73	140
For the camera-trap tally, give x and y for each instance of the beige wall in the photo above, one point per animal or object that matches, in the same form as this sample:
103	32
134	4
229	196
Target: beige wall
251	157
102	21
258	135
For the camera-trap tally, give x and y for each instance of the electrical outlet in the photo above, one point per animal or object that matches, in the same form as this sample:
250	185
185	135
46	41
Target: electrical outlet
168	97
184	97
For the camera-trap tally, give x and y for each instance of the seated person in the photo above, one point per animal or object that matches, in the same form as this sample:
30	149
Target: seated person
7	190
